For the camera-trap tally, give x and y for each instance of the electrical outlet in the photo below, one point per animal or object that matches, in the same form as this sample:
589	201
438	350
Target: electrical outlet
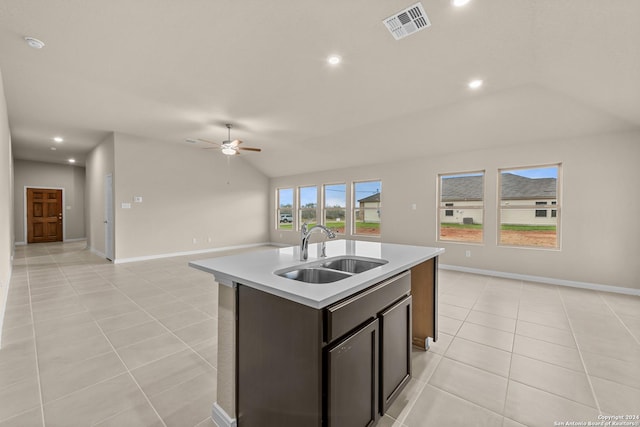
468	254
209	239
195	240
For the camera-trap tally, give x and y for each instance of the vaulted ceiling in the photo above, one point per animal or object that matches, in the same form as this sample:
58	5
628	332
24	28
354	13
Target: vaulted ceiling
172	70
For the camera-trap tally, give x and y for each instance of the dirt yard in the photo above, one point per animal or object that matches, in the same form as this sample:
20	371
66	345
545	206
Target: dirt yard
543	239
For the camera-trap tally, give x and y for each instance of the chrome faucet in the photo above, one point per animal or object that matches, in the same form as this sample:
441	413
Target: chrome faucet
306	233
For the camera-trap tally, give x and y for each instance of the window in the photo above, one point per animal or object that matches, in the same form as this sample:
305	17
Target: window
541	213
465	193
335	207
526	197
308	205
448	212
284	215
367	204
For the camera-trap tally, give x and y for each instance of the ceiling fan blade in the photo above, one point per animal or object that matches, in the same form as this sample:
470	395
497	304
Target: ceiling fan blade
208	142
210	148
249	149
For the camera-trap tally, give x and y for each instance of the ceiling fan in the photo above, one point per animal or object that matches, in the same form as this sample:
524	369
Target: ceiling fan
229	147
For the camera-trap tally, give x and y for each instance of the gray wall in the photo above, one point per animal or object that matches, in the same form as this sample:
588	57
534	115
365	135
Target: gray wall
186	194
6	201
600	244
71	179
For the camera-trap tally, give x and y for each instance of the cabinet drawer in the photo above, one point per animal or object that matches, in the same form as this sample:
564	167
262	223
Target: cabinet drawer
342	317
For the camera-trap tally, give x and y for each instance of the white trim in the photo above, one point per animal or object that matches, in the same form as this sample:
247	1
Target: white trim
78	239
96	252
64	210
280	245
19	243
5	291
221	418
173	254
547	280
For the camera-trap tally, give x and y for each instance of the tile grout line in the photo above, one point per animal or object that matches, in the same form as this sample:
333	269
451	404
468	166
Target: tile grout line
618	317
121	361
401	420
161	324
35	343
513	344
586	371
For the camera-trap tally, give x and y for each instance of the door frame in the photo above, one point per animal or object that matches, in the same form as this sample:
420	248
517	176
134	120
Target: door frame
109	218
64	211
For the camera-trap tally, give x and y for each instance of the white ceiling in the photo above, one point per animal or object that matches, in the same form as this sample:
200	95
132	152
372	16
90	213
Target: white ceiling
172	70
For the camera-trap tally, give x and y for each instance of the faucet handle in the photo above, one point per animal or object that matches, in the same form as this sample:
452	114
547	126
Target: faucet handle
303	229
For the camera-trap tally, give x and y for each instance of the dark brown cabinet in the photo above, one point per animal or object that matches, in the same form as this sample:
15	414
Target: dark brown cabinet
352	379
395	353
340	366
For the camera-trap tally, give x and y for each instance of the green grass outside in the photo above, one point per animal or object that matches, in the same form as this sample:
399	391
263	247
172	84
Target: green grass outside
519	227
457	225
335	225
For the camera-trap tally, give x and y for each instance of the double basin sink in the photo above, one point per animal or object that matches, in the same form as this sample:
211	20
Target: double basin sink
331	269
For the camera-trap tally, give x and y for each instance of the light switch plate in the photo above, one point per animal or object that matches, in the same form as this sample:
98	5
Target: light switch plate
137	199
126	206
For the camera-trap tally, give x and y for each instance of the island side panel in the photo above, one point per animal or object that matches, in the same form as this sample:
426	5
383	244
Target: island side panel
279	359
226	379
424	289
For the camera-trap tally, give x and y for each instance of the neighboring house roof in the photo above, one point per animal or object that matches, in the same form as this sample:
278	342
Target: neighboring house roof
513	187
371	199
462	188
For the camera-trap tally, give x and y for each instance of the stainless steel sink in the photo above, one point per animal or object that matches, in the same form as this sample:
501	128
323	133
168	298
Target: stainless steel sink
353	265
315	275
331	269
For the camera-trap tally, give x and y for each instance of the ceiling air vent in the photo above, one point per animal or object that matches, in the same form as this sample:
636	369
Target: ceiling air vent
407	22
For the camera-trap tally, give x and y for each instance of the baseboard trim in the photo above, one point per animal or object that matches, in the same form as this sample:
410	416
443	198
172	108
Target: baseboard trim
546	280
4	288
97	252
19	244
174	254
221	418
78	239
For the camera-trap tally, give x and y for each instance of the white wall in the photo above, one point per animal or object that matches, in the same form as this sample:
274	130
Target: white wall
6	202
599	175
38	174
99	163
185	196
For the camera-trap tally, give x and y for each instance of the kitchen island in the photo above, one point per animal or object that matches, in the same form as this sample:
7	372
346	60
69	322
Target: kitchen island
334	353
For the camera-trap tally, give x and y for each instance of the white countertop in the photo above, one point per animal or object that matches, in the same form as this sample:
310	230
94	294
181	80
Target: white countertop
256	269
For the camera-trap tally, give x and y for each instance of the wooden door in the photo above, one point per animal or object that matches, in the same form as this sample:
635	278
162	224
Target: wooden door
44	215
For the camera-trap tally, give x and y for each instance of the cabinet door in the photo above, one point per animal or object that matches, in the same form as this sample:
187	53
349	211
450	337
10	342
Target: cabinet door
352	379
395	354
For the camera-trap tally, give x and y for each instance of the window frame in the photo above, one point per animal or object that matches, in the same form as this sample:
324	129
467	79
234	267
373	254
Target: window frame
323	209
278	208
447	206
300	210
355	207
550	204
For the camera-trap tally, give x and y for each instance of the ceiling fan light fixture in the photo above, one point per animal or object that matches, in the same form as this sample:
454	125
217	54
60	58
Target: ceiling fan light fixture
229	151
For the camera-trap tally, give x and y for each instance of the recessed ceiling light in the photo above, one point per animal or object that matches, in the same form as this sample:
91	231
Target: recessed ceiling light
34	43
459	3
475	84
58	139
334	60
53	148
72	160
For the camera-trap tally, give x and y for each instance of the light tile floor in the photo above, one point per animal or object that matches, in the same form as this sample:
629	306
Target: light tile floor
89	343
